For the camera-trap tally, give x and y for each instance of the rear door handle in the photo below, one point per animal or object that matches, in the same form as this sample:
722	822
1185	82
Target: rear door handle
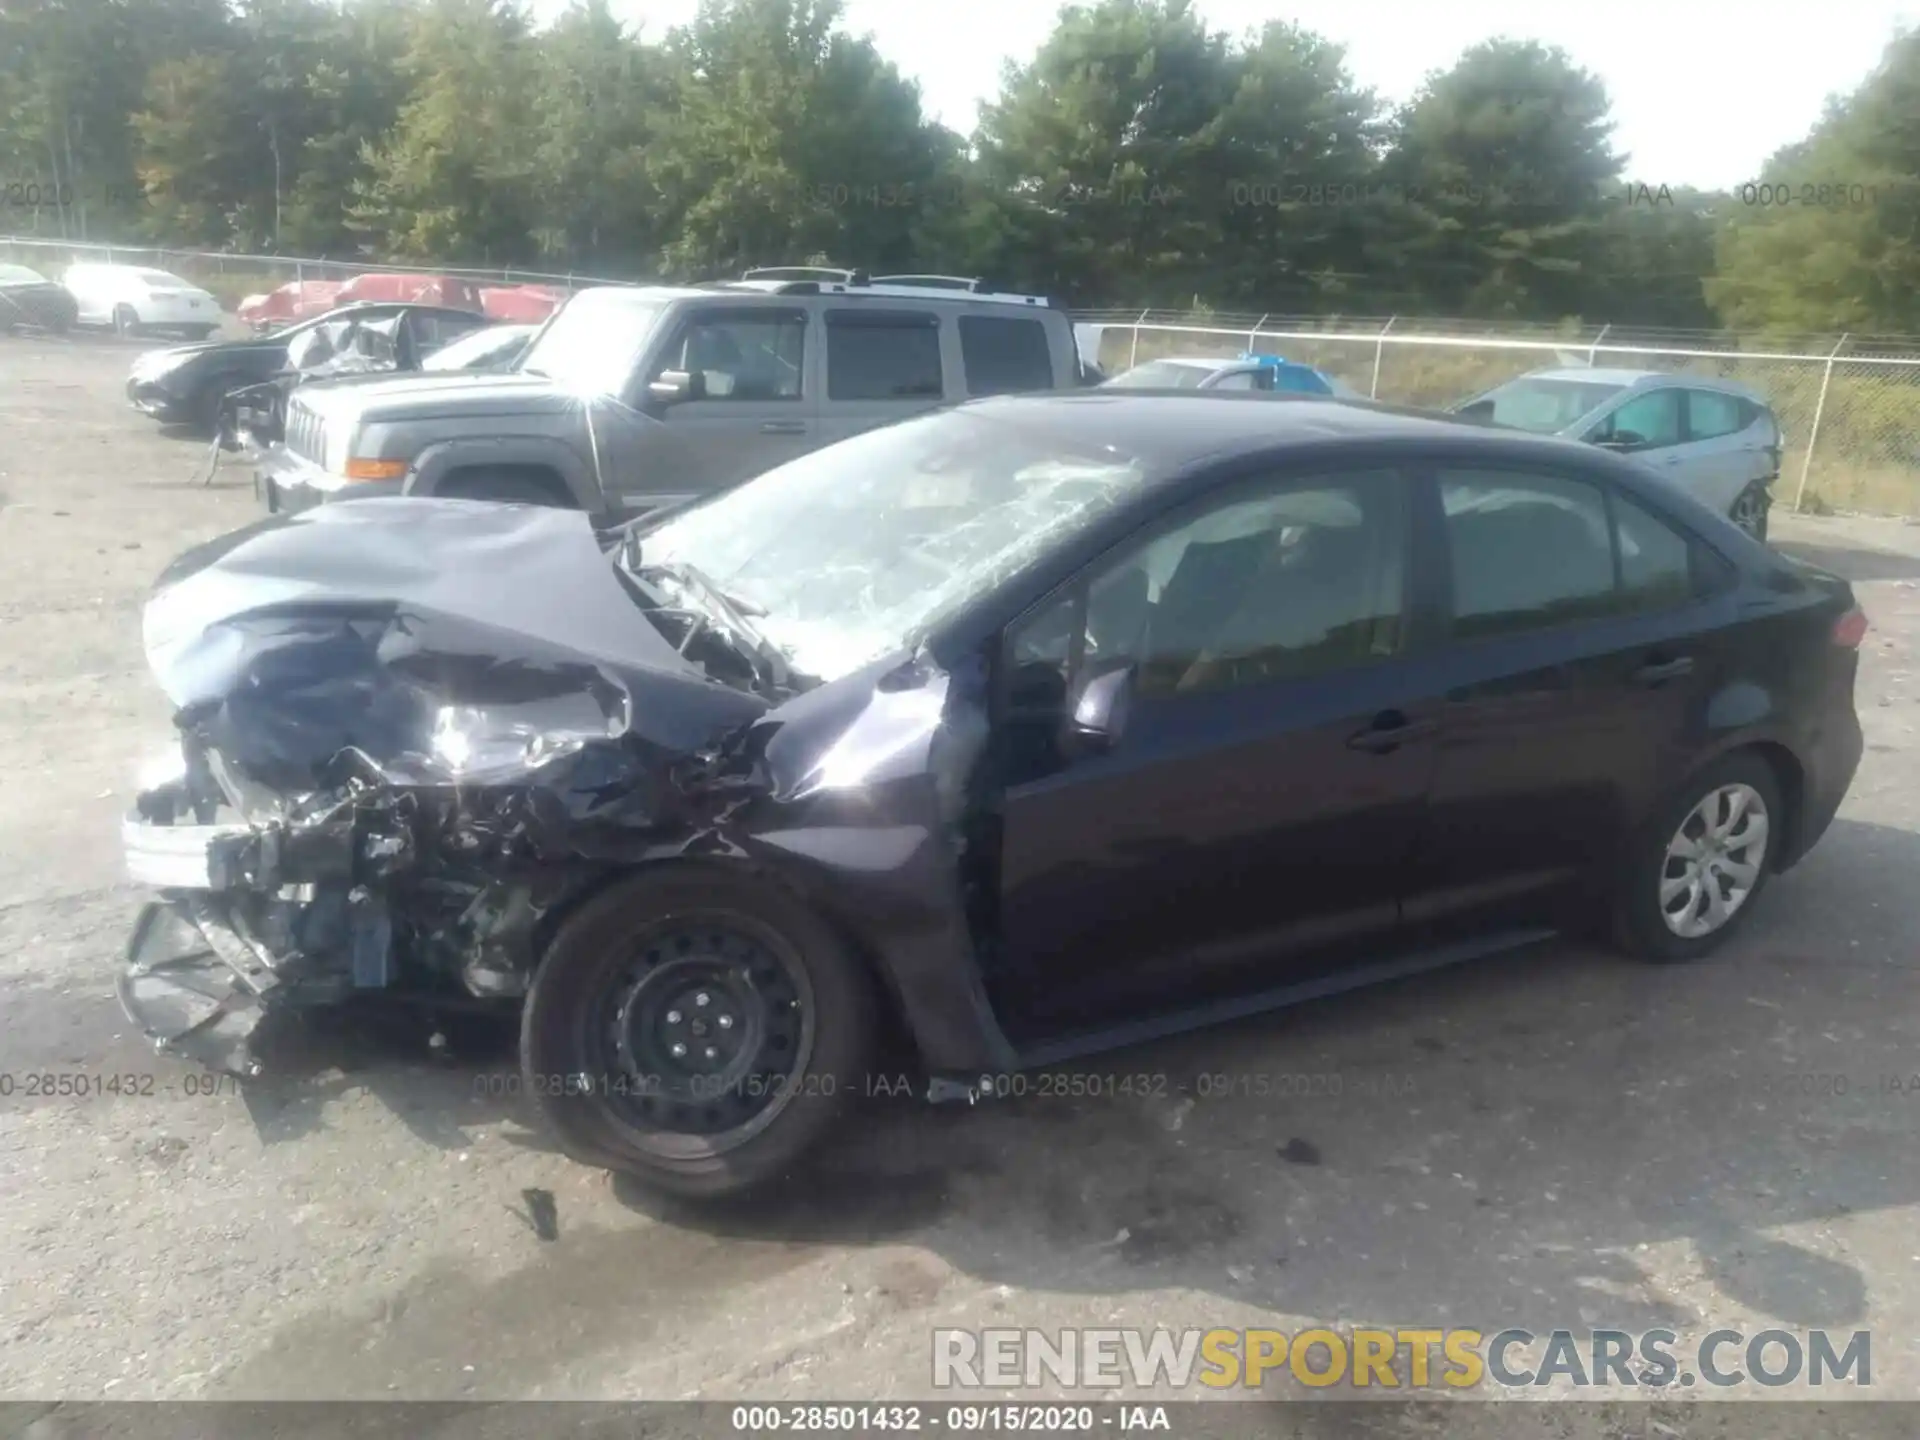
783	427
1658	672
1389	731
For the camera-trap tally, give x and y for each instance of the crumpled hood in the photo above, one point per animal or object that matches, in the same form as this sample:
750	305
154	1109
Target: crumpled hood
445	641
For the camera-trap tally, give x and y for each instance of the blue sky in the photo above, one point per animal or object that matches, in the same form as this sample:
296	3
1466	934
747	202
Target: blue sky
1703	90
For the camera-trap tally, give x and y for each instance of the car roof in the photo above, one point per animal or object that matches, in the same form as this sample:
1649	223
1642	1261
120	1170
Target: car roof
1172	431
1601	376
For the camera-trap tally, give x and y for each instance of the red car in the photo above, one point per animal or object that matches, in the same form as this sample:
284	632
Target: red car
521	304
296	300
412	289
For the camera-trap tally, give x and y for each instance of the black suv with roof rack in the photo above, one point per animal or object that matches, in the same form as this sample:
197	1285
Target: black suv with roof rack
635	397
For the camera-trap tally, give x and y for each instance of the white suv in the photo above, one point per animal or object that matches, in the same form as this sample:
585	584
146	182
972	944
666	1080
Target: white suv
134	298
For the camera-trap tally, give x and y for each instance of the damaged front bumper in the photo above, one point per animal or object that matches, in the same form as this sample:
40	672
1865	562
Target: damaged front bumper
208	961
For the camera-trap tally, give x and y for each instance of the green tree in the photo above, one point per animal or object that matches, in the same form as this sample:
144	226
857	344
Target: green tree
1506	166
453	180
1105	157
784	137
1298	173
1839	250
1653	254
601	94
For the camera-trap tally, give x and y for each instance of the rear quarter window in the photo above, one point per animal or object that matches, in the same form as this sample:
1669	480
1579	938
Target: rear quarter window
1004	355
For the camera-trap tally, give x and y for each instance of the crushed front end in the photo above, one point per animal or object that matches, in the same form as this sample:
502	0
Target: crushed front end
404	737
270	905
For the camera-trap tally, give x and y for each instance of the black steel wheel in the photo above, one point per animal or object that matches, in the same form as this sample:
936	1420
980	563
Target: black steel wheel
695	1029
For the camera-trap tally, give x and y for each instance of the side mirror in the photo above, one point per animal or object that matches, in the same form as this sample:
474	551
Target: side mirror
675	386
1479	410
1101	708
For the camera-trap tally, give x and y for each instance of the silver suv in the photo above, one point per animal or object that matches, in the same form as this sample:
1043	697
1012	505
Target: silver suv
630	399
1714	439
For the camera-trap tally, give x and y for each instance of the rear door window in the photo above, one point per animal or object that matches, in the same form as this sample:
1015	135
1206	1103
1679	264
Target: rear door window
883	355
1004	355
1712	414
1533	551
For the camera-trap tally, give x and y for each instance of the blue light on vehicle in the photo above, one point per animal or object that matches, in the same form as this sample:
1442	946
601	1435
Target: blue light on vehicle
1288	375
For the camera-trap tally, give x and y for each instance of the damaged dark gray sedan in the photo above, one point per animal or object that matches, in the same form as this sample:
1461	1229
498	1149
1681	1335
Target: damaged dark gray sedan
1018	730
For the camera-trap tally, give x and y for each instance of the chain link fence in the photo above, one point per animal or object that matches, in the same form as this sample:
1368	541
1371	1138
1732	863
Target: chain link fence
1849	406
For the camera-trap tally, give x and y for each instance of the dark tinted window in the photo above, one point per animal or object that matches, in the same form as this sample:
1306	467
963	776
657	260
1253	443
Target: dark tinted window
1711	414
1647	421
883	357
1656	561
1530	551
1527	551
1004	355
1280	584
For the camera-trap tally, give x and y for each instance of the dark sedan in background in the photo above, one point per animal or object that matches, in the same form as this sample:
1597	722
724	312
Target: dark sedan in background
28	300
185	384
1033	726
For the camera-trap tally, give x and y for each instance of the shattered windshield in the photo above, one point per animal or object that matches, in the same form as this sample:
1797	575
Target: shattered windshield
592	345
846	553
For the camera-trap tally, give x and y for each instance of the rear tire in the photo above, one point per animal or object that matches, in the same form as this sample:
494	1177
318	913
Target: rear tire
125	321
1716	837
1750	509
510	487
773	1019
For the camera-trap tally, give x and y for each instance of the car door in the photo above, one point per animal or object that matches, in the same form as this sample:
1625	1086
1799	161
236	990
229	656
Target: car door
882	365
1727	447
1576	649
1649	425
753	408
1249	826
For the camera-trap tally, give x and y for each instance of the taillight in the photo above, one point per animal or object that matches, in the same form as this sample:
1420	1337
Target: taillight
1851	628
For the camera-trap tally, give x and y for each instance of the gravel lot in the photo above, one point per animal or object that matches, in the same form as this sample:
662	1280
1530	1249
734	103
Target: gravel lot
1555	1139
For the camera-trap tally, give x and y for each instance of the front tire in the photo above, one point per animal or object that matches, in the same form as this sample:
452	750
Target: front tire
1699	866
125	321
698	1030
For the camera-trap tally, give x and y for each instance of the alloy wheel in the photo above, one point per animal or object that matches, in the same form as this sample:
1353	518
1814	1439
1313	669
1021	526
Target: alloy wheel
1714	861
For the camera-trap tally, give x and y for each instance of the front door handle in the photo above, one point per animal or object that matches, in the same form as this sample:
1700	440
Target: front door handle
783	427
1658	672
1389	731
